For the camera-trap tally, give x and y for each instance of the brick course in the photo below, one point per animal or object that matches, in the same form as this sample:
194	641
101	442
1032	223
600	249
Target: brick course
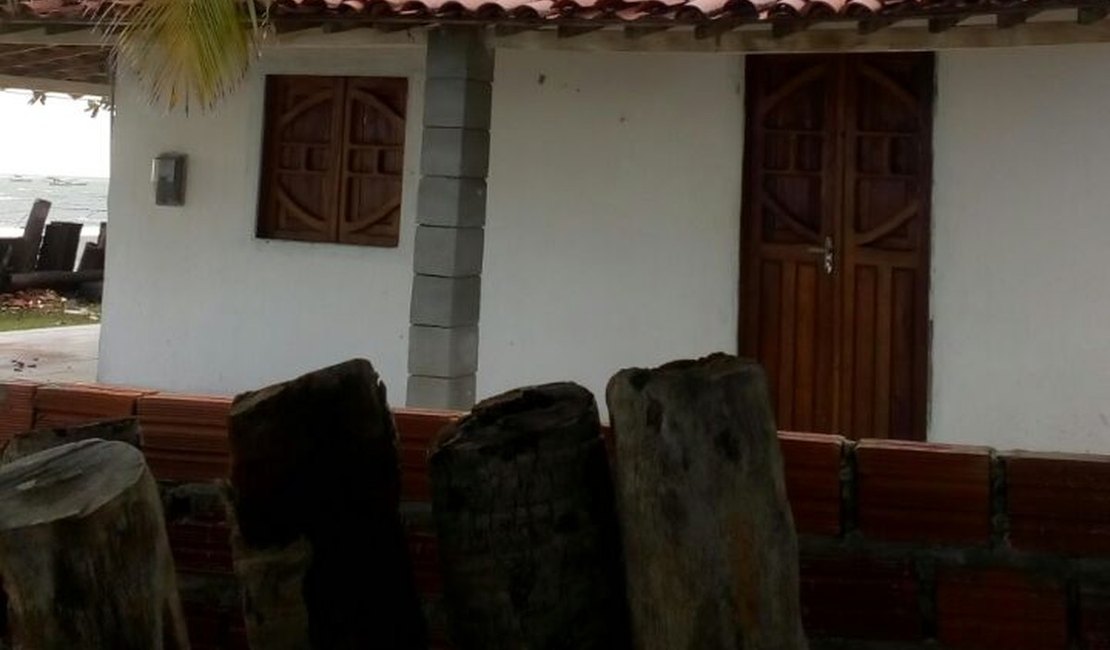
903	544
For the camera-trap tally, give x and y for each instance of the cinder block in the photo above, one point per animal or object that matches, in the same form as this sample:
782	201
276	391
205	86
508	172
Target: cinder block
459	52
445	302
994	608
458	153
441	393
453	202
443	351
457	103
448	252
811	467
1094	616
859	597
909	491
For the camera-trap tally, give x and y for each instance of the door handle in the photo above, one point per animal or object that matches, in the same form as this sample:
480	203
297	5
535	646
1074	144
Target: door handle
826	252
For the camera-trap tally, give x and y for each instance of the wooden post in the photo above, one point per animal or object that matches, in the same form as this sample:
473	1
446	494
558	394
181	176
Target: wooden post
83	551
526	523
59	246
28	249
712	556
318	538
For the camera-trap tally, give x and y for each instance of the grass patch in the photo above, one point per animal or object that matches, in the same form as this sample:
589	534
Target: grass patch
11	321
36	309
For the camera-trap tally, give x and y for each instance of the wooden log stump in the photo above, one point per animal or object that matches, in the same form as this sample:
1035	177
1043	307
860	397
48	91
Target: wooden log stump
31	442
709	541
525	518
83	551
317	537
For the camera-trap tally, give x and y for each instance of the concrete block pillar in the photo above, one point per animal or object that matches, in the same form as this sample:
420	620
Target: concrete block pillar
451	215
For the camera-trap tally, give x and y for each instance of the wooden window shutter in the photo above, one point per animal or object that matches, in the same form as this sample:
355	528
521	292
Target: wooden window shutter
373	161
302	156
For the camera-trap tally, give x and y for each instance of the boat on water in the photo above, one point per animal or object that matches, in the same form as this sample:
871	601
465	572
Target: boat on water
18	178
61	182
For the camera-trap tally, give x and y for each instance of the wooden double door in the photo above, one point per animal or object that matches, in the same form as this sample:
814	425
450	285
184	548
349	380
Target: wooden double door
835	239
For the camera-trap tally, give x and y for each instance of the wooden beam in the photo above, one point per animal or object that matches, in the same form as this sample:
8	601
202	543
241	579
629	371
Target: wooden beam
784	28
40	33
940	25
716	27
872	25
822	40
337	26
639	31
513	28
55	86
1010	19
1092	15
405	34
53	29
15	28
571	31
390	27
291	26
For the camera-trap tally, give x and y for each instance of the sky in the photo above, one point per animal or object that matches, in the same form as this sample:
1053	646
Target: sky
58	139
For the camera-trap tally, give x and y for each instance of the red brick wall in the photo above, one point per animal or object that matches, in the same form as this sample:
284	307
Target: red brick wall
901	543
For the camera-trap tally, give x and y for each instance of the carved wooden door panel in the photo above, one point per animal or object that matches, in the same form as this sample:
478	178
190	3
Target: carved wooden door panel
790	212
835	239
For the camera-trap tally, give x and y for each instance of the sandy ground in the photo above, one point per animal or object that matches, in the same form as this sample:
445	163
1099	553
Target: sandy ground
52	354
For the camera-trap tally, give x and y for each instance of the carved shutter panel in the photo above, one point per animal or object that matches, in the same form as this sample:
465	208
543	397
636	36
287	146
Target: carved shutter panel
373	140
302	156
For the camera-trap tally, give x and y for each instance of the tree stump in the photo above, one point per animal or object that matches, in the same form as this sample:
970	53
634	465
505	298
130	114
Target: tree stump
526	523
83	551
32	442
709	541
317	537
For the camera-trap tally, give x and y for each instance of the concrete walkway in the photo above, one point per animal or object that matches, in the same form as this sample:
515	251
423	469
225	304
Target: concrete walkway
50	354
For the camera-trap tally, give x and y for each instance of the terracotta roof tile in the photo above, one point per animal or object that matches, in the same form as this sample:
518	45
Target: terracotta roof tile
580	11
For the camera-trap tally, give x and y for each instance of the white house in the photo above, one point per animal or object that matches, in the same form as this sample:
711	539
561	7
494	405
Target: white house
902	209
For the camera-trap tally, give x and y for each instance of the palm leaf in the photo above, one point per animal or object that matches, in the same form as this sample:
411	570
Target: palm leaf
185	53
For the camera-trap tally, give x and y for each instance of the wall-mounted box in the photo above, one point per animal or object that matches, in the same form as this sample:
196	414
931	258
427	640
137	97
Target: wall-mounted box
167	172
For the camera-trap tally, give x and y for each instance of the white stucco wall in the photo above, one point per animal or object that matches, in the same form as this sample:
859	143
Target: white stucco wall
1021	252
194	302
613	214
612	237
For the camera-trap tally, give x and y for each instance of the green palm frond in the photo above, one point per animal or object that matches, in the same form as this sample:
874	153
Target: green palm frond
186	53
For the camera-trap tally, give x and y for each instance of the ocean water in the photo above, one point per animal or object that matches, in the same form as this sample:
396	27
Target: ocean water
79	200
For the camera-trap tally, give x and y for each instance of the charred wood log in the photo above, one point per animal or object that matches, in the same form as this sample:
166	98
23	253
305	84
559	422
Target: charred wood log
317	537
83	551
32	442
712	556
526	523
48	279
